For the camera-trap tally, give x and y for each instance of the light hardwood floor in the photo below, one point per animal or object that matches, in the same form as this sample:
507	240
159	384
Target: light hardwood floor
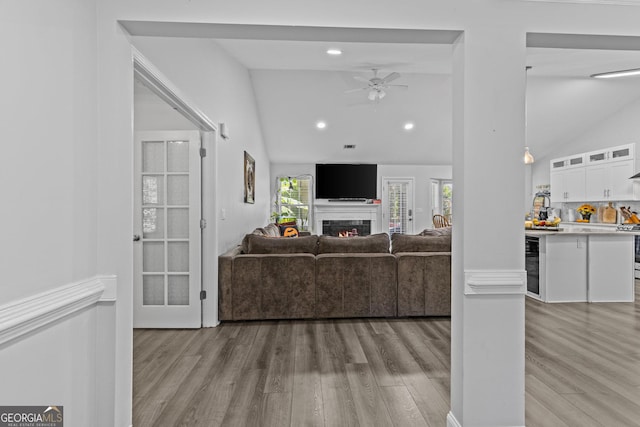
582	369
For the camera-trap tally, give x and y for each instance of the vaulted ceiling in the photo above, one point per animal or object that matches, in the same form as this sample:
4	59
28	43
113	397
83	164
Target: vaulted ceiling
297	84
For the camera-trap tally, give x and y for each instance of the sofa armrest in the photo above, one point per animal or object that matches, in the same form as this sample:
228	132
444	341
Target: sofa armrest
424	283
270	286
225	282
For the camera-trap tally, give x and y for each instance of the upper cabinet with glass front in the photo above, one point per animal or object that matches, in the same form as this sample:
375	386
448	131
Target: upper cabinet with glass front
574	161
613	154
604	175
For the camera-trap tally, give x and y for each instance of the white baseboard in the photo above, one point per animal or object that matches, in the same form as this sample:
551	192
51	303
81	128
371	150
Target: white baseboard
452	421
20	317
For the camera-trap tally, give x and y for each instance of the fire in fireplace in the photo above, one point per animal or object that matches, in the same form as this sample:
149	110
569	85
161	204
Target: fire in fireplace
346	228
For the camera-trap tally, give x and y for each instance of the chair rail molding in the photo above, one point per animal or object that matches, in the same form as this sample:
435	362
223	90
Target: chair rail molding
20	317
495	282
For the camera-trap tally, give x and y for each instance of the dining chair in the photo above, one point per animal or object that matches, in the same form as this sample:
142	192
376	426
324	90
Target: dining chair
440	221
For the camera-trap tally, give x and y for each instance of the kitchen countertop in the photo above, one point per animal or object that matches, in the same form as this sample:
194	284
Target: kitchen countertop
579	231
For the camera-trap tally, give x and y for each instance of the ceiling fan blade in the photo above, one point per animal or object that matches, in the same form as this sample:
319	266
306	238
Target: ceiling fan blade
356	90
362	79
390	77
400	86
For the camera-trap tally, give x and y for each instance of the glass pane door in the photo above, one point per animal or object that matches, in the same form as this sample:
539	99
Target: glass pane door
168	205
398	205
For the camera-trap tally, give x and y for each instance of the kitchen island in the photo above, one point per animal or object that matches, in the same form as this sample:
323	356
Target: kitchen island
579	264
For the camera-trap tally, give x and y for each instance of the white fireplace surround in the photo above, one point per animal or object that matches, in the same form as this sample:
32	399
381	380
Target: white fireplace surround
334	211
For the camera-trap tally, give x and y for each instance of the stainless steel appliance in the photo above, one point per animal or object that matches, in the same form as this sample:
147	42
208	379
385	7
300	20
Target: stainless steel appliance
532	264
541	202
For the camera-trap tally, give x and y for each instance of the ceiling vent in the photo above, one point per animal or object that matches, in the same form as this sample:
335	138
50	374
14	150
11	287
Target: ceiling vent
349	147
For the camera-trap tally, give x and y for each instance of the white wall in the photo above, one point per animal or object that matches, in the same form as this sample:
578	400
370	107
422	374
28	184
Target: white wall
55	366
48	110
48	161
422	175
222	90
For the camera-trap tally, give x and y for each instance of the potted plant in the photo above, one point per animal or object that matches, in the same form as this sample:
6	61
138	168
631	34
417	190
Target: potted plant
586	210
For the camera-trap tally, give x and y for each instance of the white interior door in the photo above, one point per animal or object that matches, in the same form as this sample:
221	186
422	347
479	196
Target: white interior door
167	233
397	202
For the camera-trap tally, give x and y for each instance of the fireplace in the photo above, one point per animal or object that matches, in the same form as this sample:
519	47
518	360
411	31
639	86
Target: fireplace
346	228
346	216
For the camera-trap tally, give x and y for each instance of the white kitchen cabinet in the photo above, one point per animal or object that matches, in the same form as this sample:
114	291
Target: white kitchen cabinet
568	185
610	181
599	175
586	264
611	268
565	268
612	154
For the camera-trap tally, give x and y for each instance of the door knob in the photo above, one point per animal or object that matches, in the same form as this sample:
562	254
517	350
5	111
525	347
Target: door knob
136	237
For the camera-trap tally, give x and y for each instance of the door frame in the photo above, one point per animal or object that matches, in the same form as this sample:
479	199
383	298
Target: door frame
158	83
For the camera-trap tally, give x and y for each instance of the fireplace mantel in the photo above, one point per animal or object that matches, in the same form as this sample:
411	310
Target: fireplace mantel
324	211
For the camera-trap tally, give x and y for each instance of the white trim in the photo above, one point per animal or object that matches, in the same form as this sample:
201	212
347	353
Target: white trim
110	288
151	77
495	282
452	421
20	317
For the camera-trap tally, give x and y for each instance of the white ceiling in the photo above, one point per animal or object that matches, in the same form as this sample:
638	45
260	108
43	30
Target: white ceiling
297	84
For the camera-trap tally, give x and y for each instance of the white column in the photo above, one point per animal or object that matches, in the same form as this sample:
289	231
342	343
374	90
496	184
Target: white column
487	372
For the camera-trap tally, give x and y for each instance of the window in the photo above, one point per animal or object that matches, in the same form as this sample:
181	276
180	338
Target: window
442	197
293	199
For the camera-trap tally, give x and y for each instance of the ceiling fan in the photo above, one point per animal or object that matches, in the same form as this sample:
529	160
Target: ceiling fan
377	85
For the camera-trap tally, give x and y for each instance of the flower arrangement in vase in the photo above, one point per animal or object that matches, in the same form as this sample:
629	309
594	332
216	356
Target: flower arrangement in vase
586	210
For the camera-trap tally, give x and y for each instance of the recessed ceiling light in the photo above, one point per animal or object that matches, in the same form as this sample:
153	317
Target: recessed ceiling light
612	74
321	125
408	126
334	52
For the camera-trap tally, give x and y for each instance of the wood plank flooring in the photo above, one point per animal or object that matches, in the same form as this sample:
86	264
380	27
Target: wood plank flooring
582	369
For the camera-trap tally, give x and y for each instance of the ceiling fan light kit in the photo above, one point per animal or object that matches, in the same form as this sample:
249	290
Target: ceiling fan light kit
377	86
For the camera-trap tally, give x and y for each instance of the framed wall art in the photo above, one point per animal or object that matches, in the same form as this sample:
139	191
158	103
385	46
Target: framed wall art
249	178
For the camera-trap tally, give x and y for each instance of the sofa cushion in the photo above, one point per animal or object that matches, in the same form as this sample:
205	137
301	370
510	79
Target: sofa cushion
271	245
444	231
410	243
375	243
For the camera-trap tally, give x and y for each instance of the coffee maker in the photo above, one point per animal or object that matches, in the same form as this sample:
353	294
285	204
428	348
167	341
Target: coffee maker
540	208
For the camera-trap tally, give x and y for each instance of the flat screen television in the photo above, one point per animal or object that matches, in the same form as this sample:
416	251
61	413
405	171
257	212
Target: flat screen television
346	181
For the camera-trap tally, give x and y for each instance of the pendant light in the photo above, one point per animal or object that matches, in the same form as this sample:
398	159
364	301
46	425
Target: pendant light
528	157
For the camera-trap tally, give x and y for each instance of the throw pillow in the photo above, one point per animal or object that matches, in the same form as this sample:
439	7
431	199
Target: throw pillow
271	230
288	230
375	243
444	231
269	245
